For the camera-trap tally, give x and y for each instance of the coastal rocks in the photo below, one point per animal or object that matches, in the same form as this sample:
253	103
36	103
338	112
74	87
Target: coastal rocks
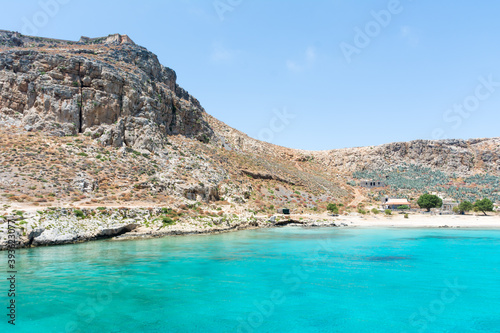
318	224
53	237
115	231
11	235
58	226
309	223
61	226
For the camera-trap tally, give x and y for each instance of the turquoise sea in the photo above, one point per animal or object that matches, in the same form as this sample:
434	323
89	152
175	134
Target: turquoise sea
273	280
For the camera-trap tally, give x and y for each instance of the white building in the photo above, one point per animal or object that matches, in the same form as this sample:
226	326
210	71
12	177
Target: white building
394	203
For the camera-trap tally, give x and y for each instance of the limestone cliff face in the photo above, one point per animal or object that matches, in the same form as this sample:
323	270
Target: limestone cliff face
108	87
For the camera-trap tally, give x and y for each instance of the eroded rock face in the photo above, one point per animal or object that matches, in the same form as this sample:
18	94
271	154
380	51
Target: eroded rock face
109	88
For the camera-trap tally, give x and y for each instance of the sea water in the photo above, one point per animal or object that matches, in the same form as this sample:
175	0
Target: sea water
268	280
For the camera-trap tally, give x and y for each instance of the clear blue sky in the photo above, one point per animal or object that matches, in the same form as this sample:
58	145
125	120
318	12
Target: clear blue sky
267	56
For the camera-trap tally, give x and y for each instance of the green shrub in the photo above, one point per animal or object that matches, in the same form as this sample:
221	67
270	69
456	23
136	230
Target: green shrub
465	206
79	213
375	211
166	210
388	212
167	221
406	216
333	208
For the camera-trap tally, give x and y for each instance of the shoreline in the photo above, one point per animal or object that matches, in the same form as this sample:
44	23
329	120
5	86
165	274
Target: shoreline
64	228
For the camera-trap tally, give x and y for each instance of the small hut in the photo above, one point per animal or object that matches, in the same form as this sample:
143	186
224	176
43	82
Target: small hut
285	211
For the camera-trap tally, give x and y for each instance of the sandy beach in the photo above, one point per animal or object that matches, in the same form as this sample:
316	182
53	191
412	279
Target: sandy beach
423	221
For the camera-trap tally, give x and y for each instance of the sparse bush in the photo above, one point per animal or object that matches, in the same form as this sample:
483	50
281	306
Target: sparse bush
166	210
167	221
388	212
79	213
333	208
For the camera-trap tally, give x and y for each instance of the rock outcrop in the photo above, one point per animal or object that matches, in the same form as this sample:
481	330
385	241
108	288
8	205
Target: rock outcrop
108	88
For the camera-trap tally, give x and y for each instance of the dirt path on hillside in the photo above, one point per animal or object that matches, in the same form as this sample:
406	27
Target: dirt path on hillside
358	198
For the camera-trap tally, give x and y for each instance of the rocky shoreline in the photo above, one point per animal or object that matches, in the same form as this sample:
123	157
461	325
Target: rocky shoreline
59	226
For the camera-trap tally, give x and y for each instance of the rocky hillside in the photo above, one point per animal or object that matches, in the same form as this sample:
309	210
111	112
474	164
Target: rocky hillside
110	88
451	156
101	122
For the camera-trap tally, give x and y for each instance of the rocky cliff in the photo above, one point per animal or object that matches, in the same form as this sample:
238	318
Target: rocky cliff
109	88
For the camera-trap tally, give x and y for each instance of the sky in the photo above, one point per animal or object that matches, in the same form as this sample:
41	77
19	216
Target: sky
310	75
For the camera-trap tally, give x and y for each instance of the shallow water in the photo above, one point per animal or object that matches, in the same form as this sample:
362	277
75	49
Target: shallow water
273	280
